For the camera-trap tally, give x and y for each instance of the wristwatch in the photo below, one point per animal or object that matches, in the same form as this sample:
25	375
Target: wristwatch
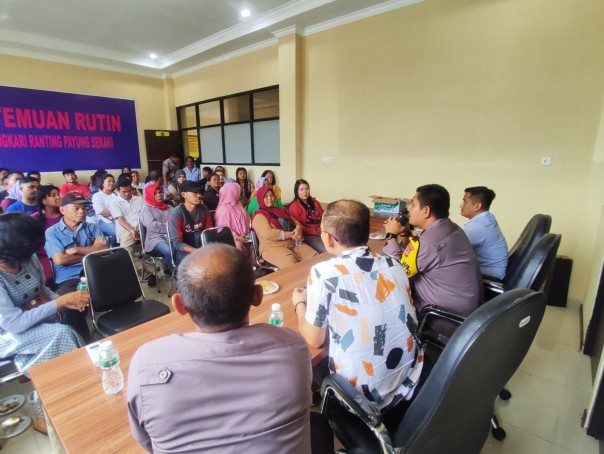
389	236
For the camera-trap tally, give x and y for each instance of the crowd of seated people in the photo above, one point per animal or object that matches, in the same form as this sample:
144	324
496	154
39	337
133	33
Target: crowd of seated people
76	219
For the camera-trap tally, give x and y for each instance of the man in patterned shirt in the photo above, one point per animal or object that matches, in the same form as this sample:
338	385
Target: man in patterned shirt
364	300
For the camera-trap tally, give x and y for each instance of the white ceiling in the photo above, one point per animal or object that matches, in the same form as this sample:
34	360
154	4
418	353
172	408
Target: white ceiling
184	34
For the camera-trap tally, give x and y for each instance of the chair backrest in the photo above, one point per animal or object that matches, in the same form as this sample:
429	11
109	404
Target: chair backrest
452	412
142	229
172	254
537	265
220	234
112	279
538	226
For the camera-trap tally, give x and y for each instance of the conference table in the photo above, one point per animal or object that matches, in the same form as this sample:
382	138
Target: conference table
88	420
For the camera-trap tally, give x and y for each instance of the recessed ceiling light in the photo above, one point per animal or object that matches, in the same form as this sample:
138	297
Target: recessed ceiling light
152	56
245	12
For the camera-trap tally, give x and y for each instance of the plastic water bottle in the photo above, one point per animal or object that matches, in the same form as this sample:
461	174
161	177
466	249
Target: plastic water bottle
276	317
82	285
109	362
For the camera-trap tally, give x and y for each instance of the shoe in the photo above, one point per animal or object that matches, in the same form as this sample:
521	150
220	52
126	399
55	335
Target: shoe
151	281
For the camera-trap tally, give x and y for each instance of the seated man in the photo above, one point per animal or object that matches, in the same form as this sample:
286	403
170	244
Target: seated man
67	242
441	263
364	301
71	184
483	231
27	204
232	386
187	221
126	208
192	173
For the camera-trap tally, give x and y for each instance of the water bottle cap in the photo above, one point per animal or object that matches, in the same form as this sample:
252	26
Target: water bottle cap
84	280
106	345
276	307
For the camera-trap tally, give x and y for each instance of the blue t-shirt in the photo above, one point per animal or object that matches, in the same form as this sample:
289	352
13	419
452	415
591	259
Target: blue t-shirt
20	206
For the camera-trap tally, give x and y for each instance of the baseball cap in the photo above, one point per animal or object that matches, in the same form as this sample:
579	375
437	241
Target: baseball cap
73	197
190	186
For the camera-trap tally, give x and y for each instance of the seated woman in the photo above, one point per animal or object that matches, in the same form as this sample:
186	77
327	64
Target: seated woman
278	232
269	174
231	213
137	184
211	196
307	210
30	332
155	216
247	186
174	188
101	202
13	194
253	205
49	200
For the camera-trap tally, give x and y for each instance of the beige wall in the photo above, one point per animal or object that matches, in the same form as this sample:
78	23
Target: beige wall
459	92
248	72
148	93
463	93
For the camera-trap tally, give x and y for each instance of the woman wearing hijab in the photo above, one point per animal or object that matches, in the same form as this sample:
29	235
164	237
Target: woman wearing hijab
278	233
174	188
13	194
253	205
307	210
231	213
155	216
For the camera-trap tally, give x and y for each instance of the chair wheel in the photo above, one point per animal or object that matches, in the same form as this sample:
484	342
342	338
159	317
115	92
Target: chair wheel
151	281
504	394
498	433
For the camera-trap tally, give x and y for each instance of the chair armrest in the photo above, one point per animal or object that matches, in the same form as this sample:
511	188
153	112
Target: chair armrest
433	311
491	278
350	396
492	288
434	338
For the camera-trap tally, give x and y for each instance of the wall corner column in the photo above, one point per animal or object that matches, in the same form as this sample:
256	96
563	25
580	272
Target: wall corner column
290	106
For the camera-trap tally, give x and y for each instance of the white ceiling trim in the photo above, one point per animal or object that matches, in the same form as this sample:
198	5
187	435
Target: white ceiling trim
293	29
274	16
18	42
225	57
359	15
53	44
135	71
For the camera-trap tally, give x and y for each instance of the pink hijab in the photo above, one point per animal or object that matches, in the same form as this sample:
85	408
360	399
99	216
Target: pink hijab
230	212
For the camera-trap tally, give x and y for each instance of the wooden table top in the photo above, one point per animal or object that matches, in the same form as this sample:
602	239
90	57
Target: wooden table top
88	420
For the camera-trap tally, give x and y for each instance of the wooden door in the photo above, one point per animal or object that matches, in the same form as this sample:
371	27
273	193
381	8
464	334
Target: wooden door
160	145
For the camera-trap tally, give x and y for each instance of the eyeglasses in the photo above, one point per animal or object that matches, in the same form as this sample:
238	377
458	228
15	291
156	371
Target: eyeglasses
334	237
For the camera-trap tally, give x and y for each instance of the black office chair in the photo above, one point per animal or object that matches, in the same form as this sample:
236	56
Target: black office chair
220	234
115	292
452	410
150	259
533	269
538	226
260	263
531	273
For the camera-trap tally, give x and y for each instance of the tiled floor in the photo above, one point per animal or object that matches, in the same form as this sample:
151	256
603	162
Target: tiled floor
550	391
